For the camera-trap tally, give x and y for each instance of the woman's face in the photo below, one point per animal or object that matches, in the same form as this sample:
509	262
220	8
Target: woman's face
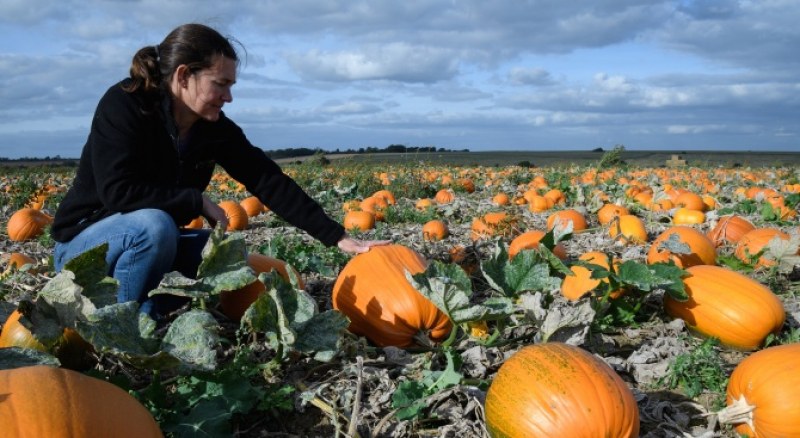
206	91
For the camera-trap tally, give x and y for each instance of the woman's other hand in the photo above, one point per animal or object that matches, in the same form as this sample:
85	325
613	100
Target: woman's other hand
214	214
355	246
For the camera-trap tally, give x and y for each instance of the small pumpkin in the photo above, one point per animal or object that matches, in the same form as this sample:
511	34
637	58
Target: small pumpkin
234	303
252	206
491	224
444	196
44	401
628	229
500	199
529	240
691	201
685	216
702	249
559	390
373	291
27	223
359	220
423	204
538	204
434	230
16	260
762	394
196	223
575	286
725	304
387	196
576	217
236	214
377	205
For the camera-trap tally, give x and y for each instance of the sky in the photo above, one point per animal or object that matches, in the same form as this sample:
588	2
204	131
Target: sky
481	75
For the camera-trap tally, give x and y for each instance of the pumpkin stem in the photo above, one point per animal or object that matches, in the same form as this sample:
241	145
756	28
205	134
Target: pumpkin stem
423	339
737	412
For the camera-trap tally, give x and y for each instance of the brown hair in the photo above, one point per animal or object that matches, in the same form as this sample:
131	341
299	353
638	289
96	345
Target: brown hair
195	45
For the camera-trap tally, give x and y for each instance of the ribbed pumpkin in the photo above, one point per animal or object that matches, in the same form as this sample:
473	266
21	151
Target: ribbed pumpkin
702	249
71	350
234	303
762	394
577	218
359	220
252	206
444	196
27	223
434	230
628	229
725	304
730	229
754	241
43	401
558	390
372	290
530	240
573	287
236	214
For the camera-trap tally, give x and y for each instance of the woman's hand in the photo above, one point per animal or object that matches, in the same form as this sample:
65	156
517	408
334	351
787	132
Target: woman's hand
355	246
214	214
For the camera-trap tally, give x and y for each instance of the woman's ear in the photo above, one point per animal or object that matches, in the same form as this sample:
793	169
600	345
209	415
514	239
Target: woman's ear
181	76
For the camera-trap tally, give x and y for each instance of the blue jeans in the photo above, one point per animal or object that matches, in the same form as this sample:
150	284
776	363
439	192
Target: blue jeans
143	245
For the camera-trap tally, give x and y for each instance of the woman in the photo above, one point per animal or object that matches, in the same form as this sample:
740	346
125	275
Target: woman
154	142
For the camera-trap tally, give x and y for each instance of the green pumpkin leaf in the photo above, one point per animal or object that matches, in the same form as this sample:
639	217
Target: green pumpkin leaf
91	273
322	334
16	357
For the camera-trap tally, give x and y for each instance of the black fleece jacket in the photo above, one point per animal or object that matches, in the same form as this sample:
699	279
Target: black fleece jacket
131	161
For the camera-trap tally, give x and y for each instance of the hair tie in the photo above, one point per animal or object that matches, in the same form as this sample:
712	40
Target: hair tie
158	55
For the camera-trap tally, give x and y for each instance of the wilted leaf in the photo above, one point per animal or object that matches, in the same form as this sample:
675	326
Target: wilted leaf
192	338
321	335
120	329
91	273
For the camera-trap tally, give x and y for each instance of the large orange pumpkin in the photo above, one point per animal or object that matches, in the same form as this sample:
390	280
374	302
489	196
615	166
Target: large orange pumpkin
252	206
234	303
725	304
71	349
762	394
372	290
27	223
43	401
702	248
558	390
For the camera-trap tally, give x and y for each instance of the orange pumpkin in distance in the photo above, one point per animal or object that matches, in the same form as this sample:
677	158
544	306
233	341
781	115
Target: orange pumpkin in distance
530	240
434	230
577	219
236	214
701	249
359	220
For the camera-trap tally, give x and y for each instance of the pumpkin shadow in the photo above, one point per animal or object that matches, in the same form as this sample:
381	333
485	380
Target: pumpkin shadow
669	413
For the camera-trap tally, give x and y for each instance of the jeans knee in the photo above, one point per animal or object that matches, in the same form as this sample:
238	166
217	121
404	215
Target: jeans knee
157	225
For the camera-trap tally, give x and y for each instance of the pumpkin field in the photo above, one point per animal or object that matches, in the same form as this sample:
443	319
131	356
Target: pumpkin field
599	299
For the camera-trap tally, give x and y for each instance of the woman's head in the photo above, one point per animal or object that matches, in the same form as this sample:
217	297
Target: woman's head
196	46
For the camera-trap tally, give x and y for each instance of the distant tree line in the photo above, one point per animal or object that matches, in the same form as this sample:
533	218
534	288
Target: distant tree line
393	148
